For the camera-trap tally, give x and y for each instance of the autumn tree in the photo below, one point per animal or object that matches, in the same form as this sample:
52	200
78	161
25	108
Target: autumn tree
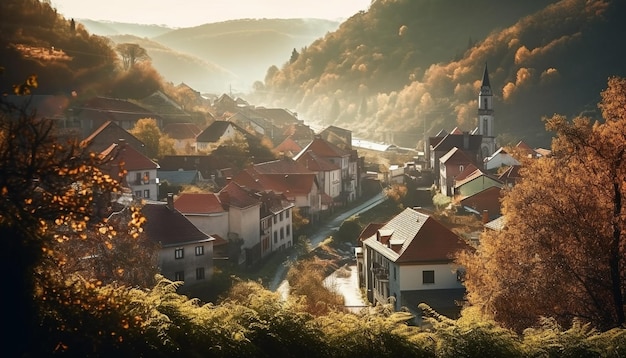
157	144
131	54
562	253
46	184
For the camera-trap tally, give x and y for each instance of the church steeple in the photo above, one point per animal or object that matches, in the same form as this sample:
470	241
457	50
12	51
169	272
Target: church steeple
485	78
485	116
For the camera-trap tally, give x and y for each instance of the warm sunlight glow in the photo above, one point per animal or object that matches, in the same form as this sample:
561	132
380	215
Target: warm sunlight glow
198	12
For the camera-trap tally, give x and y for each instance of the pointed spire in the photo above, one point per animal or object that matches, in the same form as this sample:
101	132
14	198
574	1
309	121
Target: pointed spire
486	77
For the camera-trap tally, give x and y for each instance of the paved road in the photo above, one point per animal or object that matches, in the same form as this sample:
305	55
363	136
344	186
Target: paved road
323	231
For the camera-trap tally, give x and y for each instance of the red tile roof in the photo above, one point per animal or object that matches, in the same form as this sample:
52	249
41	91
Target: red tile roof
236	195
198	203
288	145
455	156
488	199
120	157
324	149
316	163
288	184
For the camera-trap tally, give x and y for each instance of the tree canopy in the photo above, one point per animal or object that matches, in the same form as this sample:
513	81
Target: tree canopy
562	253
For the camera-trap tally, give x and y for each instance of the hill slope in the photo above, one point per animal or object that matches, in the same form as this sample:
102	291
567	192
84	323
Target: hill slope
177	67
410	66
247	47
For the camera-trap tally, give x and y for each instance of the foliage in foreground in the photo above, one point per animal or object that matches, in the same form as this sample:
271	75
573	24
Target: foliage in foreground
91	320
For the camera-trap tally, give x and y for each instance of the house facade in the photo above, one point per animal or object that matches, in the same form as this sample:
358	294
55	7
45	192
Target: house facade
410	260
132	169
451	165
289	178
344	159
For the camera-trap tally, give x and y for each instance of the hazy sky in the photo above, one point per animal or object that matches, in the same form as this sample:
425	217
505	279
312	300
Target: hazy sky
186	13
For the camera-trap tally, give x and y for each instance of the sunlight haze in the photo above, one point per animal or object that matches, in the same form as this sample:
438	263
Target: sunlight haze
197	12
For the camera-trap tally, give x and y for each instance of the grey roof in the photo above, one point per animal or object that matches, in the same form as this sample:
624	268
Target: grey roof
496	224
179	177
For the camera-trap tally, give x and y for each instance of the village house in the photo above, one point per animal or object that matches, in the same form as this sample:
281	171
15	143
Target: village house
289	178
186	253
469	183
183	135
96	111
109	133
410	260
344	159
131	169
451	165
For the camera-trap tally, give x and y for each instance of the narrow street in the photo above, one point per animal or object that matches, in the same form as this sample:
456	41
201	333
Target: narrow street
279	283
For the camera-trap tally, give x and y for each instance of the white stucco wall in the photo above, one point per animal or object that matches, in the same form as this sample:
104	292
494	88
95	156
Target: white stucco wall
410	277
210	224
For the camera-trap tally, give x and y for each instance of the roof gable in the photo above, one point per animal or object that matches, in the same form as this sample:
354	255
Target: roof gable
214	132
316	163
418	238
455	155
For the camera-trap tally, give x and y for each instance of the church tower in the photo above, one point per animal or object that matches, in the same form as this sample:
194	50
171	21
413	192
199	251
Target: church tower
485	116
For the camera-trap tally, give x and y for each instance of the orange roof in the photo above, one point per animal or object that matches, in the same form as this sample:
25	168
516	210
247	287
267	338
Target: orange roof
237	196
198	203
118	156
324	148
316	163
288	184
289	145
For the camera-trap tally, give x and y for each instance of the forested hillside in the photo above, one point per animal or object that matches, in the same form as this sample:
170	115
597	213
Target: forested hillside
67	59
414	66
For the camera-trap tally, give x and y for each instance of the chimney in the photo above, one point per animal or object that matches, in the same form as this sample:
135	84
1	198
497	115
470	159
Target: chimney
465	140
170	201
485	216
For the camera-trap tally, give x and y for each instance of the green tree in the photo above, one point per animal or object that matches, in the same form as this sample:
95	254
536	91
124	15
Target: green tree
562	253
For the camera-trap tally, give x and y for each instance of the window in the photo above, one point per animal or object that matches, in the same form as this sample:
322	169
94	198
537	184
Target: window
461	168
138	194
137	178
199	250
200	273
428	277
275	236
288	230
274	219
179	253
287	213
281	216
282	233
179	276
146	177
146	193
